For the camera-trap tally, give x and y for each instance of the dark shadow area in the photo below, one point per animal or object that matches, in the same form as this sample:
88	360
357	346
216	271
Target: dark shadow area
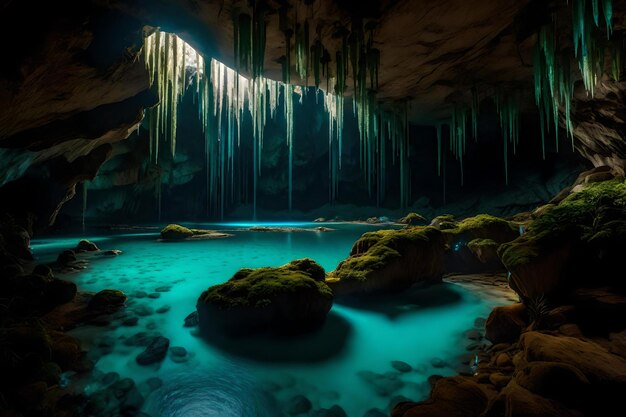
394	305
321	345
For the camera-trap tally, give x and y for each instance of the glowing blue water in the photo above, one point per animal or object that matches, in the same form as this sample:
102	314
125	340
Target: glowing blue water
256	378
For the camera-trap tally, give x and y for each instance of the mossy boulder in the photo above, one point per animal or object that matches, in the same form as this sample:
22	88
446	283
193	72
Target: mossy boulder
482	226
173	232
292	298
485	250
580	241
413	219
444	222
472	243
390	260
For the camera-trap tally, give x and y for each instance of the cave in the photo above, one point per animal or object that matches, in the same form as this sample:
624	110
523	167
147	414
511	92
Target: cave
277	208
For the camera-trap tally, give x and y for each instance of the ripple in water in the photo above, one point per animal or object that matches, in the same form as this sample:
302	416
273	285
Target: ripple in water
223	392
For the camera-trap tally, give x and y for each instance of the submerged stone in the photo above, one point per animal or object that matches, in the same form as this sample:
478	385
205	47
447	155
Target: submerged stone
155	352
298	404
401	366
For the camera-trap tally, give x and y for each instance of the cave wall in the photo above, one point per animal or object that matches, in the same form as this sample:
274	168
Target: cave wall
72	85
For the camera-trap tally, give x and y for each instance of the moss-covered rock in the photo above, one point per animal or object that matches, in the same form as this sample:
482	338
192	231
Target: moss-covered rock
444	222
472	243
292	298
390	260
413	219
485	250
482	226
178	232
578	241
175	232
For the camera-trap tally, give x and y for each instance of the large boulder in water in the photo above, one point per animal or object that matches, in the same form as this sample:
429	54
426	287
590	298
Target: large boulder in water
390	260
292	298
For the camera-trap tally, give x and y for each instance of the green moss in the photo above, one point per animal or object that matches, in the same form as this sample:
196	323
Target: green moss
378	249
444	218
483	221
176	231
447	225
580	218
261	287
482	243
483	226
412	219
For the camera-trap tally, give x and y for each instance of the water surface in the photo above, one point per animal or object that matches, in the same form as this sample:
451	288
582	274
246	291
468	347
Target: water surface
348	362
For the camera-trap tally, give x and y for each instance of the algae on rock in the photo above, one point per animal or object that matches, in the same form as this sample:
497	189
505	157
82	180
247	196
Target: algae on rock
292	298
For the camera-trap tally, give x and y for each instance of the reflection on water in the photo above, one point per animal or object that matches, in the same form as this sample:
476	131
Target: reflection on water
225	391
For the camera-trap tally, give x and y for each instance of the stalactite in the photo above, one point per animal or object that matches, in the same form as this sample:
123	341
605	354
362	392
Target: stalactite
288	92
617	53
302	51
508	105
317	53
334	107
475	110
439	154
84	212
458	135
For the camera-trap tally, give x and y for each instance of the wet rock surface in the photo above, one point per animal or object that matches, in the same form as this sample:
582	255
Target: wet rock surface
155	352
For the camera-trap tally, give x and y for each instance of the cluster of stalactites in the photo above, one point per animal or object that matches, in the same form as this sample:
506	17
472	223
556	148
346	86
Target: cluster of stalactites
457	127
395	127
379	129
334	106
554	81
588	40
554	86
249	33
166	57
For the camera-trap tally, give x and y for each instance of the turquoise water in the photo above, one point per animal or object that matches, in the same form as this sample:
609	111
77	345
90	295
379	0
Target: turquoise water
346	363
